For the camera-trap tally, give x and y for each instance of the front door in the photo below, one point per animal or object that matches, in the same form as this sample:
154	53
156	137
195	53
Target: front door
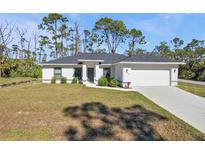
90	74
78	73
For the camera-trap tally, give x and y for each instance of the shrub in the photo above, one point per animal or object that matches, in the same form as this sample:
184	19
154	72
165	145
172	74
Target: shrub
188	74
25	68
74	80
103	81
53	80
63	80
13	74
201	77
113	83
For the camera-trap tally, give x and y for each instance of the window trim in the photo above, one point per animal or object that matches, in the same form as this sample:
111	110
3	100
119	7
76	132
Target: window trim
58	74
108	68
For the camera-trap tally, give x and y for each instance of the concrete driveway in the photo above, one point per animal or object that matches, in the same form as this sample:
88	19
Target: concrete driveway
184	105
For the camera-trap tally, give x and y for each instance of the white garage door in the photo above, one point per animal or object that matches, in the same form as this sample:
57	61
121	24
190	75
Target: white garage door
150	77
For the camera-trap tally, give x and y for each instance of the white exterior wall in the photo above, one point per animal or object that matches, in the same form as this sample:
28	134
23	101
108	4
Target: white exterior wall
137	74
98	73
112	71
84	73
68	73
174	76
47	74
118	73
149	75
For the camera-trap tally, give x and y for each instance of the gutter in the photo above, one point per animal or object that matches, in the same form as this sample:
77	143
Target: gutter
47	64
89	60
158	63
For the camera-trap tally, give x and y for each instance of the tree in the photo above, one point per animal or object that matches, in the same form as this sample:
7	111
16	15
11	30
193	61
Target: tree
55	25
195	50
136	37
86	40
194	44
163	49
4	65
25	43
5	37
77	39
91	40
15	49
35	42
64	34
71	46
112	32
43	43
194	56
99	51
134	52
177	43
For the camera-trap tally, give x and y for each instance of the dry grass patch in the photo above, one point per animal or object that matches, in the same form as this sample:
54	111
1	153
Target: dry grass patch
75	112
15	79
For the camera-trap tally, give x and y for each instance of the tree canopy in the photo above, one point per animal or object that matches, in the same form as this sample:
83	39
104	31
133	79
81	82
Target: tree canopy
113	32
58	37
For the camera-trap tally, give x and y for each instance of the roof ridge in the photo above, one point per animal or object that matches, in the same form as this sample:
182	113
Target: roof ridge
148	57
123	59
99	53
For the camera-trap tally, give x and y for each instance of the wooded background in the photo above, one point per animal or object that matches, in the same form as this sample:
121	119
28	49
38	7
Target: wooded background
59	38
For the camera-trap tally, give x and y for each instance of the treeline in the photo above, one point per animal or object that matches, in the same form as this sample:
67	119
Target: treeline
58	37
193	54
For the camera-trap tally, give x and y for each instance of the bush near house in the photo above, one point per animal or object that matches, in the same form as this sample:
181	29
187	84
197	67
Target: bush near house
103	81
74	80
53	80
19	68
113	83
187	74
201	77
63	80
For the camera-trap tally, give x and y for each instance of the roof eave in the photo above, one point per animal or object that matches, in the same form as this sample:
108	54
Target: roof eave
158	63
51	64
90	60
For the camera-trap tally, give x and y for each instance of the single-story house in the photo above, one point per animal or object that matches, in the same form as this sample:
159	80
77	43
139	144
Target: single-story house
139	70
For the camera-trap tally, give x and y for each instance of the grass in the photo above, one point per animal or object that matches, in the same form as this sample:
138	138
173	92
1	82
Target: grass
75	112
193	88
11	80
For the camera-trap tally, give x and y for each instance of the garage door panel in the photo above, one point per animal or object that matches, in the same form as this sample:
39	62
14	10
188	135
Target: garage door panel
150	77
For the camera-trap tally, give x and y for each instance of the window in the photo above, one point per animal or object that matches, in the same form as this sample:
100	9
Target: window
78	73
57	73
106	72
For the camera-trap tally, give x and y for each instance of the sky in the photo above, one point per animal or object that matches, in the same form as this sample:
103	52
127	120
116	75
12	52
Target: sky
155	27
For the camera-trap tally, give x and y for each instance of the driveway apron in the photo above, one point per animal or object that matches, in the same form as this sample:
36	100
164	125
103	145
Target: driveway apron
186	106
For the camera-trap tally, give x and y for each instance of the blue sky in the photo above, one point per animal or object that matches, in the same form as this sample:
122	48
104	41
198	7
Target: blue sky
155	27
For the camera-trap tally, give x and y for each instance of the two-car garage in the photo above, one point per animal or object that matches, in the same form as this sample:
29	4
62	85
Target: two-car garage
150	77
149	70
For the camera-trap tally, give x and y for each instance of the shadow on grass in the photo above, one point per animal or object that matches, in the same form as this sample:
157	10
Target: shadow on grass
95	121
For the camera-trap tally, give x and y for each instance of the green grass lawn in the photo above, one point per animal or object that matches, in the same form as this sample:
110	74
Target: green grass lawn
193	88
15	79
75	112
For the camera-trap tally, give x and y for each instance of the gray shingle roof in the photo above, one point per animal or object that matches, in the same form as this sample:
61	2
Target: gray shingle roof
107	57
146	58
